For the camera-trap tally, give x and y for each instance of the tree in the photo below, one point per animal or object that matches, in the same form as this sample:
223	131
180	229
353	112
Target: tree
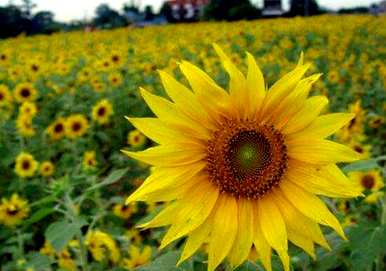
303	8
107	17
148	13
230	10
166	11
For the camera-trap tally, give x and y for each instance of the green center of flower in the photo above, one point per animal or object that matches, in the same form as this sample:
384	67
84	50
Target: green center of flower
249	151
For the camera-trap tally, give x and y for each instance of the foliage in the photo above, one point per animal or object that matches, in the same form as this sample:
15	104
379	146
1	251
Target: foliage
230	10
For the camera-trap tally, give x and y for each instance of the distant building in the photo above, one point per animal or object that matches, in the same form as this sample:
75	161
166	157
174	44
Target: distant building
186	10
272	8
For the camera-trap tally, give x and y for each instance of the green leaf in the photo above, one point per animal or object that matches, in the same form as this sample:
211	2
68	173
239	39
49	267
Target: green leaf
39	215
367	243
361	165
60	233
167	262
38	261
112	178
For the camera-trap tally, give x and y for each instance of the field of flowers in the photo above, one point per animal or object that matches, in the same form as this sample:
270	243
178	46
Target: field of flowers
63	102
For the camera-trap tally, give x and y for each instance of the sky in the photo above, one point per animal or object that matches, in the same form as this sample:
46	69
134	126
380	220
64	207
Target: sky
67	10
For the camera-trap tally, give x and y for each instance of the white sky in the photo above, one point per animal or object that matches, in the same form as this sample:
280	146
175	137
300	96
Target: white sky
66	10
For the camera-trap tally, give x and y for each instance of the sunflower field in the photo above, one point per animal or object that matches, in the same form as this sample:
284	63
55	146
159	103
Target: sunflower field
65	173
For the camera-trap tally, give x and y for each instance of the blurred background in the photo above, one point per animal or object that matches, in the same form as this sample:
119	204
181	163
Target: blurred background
49	16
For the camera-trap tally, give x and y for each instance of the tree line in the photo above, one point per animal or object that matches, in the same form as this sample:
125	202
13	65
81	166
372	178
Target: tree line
18	19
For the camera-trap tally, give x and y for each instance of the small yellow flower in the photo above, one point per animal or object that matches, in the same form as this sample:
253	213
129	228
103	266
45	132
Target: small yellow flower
89	159
370	180
57	129
25	92
115	79
363	150
65	261
47	168
76	126
134	236
24	126
5	94
376	121
136	139
102	246
124	211
13	210
26	165
28	109
136	257
102	111
47	249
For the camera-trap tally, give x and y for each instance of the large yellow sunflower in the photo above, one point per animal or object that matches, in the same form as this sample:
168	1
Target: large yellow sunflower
243	167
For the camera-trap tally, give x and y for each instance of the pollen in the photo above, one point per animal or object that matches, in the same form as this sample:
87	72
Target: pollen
246	159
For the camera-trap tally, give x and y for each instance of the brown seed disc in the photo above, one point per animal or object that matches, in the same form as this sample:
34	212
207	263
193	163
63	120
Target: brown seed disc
246	159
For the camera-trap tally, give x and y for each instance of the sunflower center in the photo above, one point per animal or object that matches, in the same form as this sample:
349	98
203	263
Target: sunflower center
26	165
101	111
12	210
58	128
368	181
25	92
76	126
246	159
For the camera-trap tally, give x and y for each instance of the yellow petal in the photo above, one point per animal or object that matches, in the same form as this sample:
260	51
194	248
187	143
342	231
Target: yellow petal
159	132
273	227
297	222
272	223
319	151
165	178
195	239
302	241
255	85
309	178
167	113
282	88
165	217
224	230
198	204
213	98
293	103
262	247
185	100
176	156
243	242
312	108
238	84
311	206
323	126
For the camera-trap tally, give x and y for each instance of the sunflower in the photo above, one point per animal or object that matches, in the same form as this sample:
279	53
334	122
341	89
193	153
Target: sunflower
57	129
102	246
28	109
5	94
244	167
136	139
26	165
24	125
102	111
13	210
89	159
115	79
137	257
25	92
369	180
124	211
47	168
65	261
76	126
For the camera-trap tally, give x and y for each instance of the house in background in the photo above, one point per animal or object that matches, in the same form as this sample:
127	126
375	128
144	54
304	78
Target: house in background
186	10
